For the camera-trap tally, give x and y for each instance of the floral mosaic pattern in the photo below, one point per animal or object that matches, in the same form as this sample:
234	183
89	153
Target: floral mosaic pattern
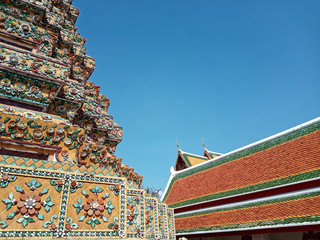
94	206
28	205
27	30
30	129
171	228
33	201
28	200
67	127
28	89
98	207
22	61
152	225
77	146
135	211
162	221
13	8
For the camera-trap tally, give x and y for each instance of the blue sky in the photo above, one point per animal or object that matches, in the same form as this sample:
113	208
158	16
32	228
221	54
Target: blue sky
230	72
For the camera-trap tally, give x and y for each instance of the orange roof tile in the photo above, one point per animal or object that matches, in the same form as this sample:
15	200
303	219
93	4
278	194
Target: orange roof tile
297	156
299	208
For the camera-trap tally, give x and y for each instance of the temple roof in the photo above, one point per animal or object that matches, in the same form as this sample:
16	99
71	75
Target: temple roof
272	183
185	160
210	154
285	158
272	212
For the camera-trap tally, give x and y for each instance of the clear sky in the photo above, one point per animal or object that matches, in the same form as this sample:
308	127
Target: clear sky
229	71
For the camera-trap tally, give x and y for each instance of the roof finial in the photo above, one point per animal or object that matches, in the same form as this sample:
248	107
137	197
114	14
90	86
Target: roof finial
203	144
177	144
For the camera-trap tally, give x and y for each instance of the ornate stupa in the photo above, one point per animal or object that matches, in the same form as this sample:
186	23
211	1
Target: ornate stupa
60	177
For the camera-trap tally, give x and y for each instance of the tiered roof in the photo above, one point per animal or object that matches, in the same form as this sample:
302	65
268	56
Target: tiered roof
281	211
185	160
210	154
218	194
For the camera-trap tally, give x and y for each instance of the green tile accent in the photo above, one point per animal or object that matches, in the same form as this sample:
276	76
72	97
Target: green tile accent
15	158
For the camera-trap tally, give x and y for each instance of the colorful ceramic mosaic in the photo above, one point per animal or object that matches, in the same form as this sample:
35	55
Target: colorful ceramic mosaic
43	203
135	214
152	222
55	203
60	177
162	221
171	223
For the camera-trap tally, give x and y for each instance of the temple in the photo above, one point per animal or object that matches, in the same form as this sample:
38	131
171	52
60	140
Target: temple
60	177
268	190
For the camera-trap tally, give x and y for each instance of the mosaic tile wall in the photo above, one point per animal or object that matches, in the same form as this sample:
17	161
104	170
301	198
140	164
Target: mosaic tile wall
44	203
60	177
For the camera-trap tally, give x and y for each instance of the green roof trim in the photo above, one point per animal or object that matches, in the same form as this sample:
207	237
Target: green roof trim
237	155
